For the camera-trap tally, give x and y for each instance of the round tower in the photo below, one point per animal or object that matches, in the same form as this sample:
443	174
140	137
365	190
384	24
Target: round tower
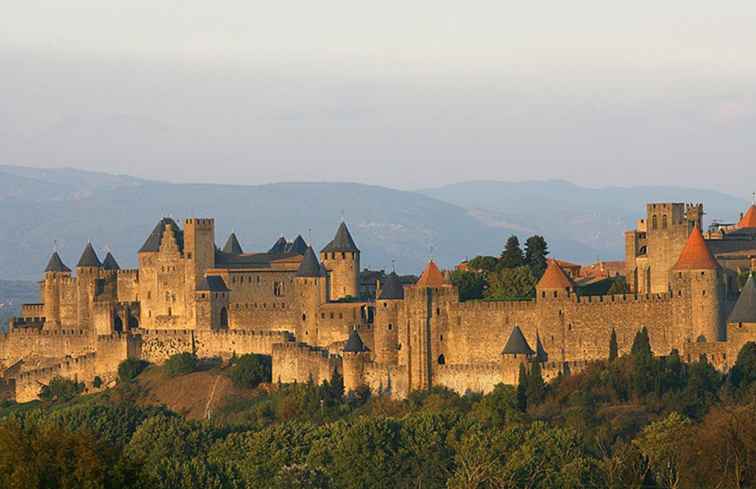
386	331
55	273
354	356
341	258
515	353
698	275
310	283
554	284
87	273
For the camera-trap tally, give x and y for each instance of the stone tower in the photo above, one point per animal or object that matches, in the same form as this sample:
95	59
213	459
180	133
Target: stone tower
199	248
354	357
87	273
57	276
341	258
516	352
211	303
698	275
387	307
554	284
311	285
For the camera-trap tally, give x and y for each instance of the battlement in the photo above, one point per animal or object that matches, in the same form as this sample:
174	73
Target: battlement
301	348
622	298
200	221
493	306
78	333
128	272
33	310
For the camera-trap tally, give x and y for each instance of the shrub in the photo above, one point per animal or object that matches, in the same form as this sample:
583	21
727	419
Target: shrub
97	382
130	368
60	389
181	364
250	370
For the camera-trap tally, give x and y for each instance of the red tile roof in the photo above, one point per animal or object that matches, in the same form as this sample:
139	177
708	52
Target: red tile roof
554	277
696	255
432	277
749	218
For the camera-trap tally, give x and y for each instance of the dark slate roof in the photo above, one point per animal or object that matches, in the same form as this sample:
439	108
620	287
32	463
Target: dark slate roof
310	266
342	241
391	288
56	264
89	257
745	308
354	344
232	246
213	283
298	246
279	246
541	354
110	263
517	344
156	236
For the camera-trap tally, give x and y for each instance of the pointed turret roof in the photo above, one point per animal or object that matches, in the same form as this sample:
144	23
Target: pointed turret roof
342	241
278	247
56	264
354	344
749	218
232	246
110	263
310	266
432	277
152	244
297	246
745	308
89	258
540	352
696	255
391	288
517	344
554	277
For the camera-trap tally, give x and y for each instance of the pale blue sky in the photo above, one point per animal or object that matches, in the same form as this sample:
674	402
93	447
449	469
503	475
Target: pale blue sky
404	94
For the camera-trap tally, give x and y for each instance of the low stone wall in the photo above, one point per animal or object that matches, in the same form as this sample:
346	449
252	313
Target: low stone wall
297	362
464	378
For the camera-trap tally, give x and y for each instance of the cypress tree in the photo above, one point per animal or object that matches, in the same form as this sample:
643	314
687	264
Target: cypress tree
613	348
536	250
536	388
522	389
512	256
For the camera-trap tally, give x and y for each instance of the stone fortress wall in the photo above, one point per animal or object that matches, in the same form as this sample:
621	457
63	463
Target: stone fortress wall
304	311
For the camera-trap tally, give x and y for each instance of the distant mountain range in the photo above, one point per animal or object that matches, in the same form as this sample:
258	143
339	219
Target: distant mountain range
39	207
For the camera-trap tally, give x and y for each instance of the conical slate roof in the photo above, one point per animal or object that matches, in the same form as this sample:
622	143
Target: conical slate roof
749	218
89	257
342	241
354	344
232	246
56	264
517	344
541	354
554	277
152	244
212	283
432	277
278	247
696	255
745	308
391	288
298	246
310	266
110	263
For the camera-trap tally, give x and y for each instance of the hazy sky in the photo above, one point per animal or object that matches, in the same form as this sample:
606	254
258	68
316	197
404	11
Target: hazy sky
405	94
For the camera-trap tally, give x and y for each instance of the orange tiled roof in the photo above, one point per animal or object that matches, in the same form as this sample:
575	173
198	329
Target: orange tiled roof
554	277
696	255
749	218
432	277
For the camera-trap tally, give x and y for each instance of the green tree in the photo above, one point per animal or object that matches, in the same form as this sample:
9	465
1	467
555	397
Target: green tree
512	255
536	251
369	455
483	263
471	285
613	347
743	373
180	364
536	387
60	390
664	442
130	368
250	370
511	283
522	389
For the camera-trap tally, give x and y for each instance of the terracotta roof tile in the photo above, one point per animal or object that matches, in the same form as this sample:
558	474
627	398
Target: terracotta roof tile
432	277
749	218
696	255
554	277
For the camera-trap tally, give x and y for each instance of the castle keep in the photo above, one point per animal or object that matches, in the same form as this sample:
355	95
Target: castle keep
309	311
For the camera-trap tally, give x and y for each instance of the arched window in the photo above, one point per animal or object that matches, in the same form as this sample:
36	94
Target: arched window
441	360
133	322
223	317
653	222
664	221
118	324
